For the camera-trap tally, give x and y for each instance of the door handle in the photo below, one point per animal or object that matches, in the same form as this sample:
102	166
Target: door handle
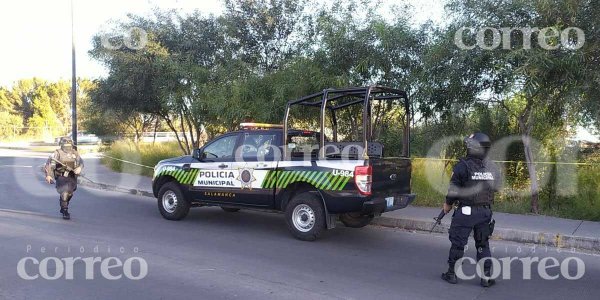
186	167
223	166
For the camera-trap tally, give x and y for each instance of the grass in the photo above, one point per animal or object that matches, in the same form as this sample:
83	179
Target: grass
429	182
146	154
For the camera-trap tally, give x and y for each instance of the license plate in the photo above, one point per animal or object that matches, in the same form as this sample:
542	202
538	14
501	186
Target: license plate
390	201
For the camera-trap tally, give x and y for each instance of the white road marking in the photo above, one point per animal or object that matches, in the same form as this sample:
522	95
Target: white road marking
15	166
24	212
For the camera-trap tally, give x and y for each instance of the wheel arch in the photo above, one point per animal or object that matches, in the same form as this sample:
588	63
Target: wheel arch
293	189
160	181
300	187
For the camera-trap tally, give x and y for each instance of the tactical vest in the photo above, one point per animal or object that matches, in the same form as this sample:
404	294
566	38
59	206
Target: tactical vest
479	187
68	158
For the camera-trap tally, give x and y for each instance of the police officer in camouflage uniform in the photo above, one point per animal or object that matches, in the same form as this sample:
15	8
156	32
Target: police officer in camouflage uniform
63	167
474	181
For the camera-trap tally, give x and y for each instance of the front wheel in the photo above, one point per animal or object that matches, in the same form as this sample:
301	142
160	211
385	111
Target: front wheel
171	203
305	216
355	220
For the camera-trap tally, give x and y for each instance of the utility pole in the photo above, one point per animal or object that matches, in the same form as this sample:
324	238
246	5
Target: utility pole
73	83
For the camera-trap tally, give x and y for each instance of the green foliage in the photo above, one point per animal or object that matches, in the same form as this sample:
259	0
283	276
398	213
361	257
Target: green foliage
204	74
147	154
42	109
10	125
430	181
43	115
262	32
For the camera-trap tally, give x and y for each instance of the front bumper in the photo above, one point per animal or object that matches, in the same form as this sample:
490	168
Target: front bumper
380	205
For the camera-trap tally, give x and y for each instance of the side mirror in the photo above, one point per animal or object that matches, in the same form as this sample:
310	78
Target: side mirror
197	154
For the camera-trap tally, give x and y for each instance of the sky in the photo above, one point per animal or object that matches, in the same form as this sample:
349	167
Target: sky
37	42
36	34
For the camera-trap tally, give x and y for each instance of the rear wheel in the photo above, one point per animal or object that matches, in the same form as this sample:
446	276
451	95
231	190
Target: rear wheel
355	220
171	203
305	216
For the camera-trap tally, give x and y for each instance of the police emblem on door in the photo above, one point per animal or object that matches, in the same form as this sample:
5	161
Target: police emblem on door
246	178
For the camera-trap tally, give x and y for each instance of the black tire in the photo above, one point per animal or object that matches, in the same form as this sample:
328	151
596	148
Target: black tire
308	210
171	202
230	209
355	220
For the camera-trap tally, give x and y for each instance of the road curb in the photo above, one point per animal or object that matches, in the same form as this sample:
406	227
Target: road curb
113	188
506	234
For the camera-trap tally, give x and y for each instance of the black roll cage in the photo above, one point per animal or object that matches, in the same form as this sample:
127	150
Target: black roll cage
326	101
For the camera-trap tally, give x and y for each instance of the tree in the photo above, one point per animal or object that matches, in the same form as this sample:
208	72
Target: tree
44	120
165	79
263	31
545	83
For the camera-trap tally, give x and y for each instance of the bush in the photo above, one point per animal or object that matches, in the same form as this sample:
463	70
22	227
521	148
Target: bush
147	154
582	203
10	125
585	203
430	191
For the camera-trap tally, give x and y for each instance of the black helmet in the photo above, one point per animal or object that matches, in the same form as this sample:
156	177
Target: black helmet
478	144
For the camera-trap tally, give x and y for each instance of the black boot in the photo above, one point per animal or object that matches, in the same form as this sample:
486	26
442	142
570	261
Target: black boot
65	212
487	282
450	276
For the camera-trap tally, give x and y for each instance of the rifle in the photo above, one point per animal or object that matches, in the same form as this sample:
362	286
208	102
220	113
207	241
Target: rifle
62	164
71	170
438	220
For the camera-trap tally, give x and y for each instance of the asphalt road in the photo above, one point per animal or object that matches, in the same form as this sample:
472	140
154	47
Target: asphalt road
213	254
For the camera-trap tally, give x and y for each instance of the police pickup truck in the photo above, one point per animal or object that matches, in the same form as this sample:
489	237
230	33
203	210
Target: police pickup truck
314	176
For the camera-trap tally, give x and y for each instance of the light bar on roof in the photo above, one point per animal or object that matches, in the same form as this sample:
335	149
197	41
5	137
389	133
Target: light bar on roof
259	125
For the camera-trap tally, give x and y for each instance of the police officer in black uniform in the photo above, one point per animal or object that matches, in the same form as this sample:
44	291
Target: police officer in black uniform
474	181
63	167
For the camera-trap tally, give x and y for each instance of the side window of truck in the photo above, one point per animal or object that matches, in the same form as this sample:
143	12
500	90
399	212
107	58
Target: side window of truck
304	145
259	145
221	148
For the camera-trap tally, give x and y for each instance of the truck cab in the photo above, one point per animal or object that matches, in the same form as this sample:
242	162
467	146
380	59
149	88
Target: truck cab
315	176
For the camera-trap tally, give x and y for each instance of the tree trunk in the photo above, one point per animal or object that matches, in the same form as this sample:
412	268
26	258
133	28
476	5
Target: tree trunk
179	141
183	130
526	127
157	120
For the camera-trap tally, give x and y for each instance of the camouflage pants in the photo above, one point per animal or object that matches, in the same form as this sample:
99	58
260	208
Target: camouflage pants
65	186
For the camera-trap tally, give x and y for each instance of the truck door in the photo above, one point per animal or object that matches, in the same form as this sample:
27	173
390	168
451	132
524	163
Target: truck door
256	164
216	177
